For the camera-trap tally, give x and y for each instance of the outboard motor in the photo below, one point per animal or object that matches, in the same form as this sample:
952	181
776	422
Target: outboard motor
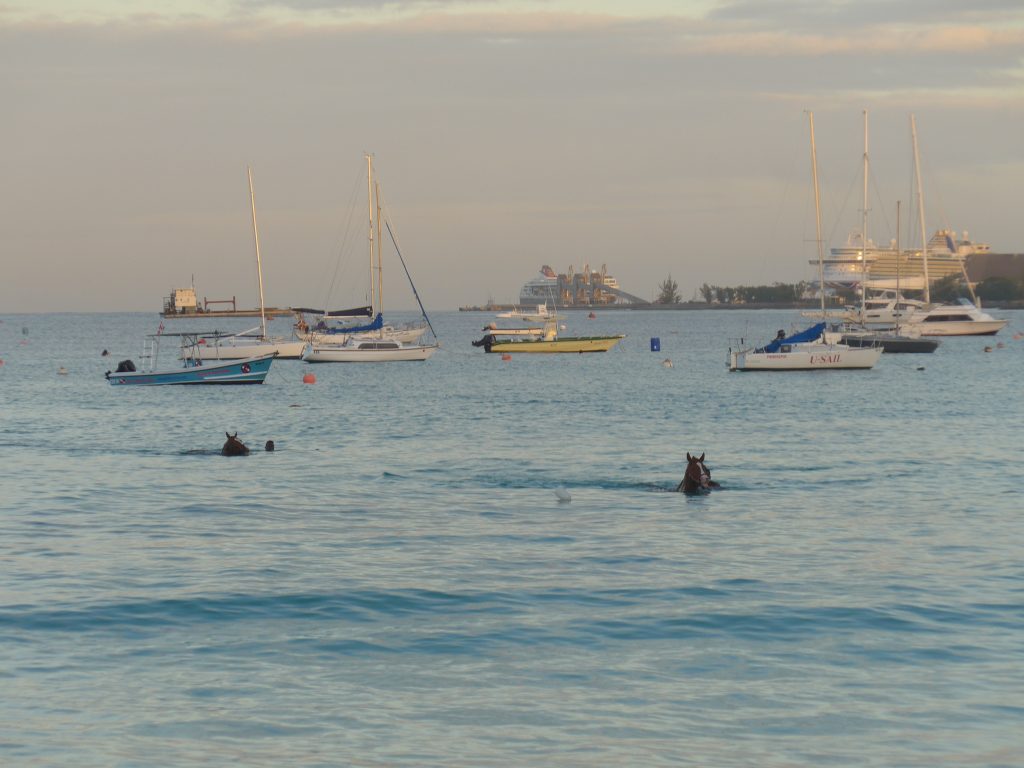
125	366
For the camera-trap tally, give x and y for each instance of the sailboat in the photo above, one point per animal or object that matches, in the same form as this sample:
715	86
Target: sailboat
857	334
961	319
238	346
814	348
374	342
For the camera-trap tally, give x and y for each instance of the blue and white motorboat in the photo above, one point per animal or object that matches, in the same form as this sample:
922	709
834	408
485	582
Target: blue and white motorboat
194	370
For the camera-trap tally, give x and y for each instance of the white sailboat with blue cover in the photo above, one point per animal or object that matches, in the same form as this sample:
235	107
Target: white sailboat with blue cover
814	348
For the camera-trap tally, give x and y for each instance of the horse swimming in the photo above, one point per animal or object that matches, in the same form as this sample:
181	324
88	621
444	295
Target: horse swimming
697	477
234	446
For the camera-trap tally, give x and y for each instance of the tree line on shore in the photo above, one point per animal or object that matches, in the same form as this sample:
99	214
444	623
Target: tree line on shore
945	290
776	293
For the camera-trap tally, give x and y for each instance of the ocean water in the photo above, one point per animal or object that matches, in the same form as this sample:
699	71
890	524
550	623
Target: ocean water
398	584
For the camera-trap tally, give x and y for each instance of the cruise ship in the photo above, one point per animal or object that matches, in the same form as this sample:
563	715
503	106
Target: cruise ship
587	288
946	255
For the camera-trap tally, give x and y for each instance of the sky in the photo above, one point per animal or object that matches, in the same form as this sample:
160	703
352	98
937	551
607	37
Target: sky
657	138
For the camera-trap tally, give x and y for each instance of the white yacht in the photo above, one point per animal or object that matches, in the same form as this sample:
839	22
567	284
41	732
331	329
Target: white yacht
961	319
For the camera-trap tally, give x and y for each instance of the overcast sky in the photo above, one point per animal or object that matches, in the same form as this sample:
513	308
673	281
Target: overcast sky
655	137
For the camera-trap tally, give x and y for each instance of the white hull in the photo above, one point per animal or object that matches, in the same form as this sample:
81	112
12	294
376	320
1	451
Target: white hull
239	348
805	357
365	353
963	319
960	328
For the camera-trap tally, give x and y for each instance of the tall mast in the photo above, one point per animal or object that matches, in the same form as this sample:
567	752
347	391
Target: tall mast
864	230
920	213
898	298
369	210
817	215
380	266
259	263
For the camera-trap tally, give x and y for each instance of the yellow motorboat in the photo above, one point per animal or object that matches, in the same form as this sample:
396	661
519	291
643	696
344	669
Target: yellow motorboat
545	340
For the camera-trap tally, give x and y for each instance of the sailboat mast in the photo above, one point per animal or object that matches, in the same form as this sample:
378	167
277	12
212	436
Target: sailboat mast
259	263
920	213
369	211
864	230
817	215
898	312
380	266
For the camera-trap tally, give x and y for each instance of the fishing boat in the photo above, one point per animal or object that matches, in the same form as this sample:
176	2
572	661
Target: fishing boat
543	339
814	348
193	369
255	341
375	342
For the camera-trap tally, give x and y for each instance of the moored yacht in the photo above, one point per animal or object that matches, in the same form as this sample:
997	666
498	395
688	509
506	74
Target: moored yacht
961	319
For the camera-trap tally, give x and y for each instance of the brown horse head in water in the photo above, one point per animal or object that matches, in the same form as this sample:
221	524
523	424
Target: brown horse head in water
234	446
697	476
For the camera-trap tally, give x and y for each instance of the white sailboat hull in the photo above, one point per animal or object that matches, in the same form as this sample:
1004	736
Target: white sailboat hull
805	357
366	353
401	335
239	348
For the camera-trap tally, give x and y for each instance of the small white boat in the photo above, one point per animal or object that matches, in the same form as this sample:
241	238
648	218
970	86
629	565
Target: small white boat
810	350
539	315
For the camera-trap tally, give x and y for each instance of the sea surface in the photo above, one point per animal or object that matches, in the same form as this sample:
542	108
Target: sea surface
399	584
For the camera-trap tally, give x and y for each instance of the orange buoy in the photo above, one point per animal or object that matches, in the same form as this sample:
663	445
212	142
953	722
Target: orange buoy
506	356
309	378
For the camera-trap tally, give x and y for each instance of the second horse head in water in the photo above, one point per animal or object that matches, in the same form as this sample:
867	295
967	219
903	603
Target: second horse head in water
697	477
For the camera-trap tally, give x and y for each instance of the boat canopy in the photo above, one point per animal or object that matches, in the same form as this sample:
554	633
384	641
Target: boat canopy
376	325
366	311
811	334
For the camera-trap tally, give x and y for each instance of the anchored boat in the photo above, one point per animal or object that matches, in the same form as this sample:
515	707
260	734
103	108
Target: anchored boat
543	339
193	370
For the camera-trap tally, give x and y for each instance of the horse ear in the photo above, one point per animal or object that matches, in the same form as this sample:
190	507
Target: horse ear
227	435
688	456
701	459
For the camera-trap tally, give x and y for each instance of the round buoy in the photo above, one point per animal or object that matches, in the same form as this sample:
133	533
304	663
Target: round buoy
309	378
667	363
62	371
988	349
506	357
